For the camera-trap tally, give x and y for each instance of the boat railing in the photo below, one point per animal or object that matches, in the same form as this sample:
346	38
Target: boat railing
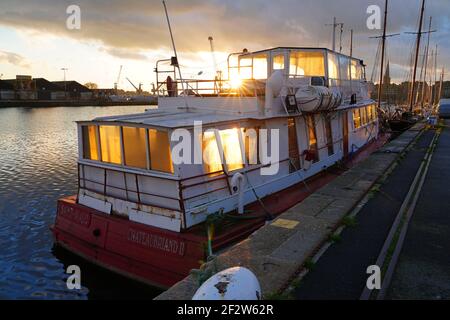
208	88
103	186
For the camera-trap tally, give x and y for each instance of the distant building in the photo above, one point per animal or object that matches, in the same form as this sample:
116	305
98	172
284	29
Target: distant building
7	91
446	90
104	93
74	90
387	76
47	90
24	87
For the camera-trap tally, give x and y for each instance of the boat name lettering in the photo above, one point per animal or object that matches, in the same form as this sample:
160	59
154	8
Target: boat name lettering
75	215
156	242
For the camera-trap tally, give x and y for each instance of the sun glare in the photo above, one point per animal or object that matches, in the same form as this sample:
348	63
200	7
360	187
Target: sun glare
235	82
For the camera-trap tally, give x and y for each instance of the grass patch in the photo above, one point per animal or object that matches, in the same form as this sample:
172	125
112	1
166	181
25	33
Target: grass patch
335	238
278	296
349	221
296	283
309	264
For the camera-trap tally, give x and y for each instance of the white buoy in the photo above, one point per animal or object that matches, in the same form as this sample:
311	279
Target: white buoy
232	284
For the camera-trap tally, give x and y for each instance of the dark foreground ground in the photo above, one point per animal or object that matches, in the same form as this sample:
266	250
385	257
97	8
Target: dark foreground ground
423	270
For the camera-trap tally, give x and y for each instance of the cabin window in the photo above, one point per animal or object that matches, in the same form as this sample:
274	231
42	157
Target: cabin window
344	68
260	67
333	66
90	143
374	112
294	154
251	145
307	64
135	147
356	119
110	144
278	62
231	149
329	135
370	115
364	118
356	70
245	68
311	123
211	154
160	158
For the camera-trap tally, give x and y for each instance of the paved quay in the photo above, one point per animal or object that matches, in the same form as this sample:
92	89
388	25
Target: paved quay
423	268
277	251
341	271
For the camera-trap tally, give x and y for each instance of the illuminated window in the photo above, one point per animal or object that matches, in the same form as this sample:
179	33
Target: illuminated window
211	155
260	67
329	134
251	145
374	112
333	66
90	143
370	115
307	64
160	157
356	119
356	70
135	147
110	144
312	137
364	117
278	62
231	149
344	68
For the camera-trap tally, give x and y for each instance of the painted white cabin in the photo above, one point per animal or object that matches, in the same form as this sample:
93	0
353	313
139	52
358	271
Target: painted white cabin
316	99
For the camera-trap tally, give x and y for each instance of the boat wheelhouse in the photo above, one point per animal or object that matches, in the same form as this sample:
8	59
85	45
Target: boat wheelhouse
148	182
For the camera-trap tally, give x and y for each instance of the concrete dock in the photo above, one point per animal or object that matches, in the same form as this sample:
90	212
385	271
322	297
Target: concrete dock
282	250
423	268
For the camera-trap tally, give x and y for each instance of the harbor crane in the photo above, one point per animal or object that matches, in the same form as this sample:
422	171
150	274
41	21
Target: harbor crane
216	70
138	90
118	79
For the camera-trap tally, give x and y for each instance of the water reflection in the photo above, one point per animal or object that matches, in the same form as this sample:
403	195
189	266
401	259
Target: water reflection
38	152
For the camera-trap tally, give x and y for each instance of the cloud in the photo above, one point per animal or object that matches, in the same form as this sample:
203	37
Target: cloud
128	28
14	59
125	54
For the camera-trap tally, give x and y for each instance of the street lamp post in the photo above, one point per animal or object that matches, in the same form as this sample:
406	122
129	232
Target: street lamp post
65	83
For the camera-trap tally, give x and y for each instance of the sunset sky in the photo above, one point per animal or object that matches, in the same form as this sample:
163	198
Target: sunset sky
133	33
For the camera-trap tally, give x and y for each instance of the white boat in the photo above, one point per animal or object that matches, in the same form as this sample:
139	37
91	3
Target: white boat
282	116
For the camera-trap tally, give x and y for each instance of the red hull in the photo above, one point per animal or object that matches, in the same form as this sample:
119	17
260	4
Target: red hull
159	257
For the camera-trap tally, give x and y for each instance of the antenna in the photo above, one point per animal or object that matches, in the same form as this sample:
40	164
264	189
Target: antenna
334	25
175	62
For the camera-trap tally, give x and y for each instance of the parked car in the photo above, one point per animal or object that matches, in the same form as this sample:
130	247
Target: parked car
444	108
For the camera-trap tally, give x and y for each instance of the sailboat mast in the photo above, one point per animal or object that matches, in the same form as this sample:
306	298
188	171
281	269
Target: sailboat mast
435	75
416	60
422	104
380	85
441	85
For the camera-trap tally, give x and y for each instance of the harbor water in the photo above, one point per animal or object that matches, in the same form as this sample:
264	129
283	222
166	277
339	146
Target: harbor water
38	153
